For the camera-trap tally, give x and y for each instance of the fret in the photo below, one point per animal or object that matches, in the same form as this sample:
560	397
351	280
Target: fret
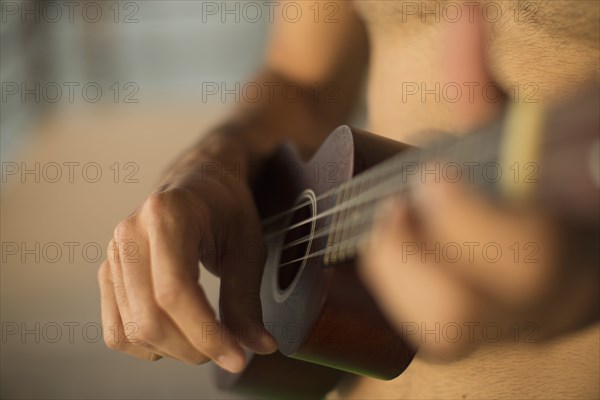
340	235
354	217
331	253
357	199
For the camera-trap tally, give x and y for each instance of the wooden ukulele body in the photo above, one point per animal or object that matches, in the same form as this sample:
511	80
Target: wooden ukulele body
322	316
313	301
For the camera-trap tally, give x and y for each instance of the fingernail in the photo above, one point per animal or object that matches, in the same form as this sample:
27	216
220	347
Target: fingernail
231	362
266	344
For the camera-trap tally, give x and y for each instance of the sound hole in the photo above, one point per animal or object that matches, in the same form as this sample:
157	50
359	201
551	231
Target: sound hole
292	255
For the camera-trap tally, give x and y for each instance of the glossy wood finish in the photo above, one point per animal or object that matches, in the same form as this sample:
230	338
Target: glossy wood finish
336	321
276	376
328	318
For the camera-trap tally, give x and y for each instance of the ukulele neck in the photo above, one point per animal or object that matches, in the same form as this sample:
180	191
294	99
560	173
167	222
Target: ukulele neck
513	159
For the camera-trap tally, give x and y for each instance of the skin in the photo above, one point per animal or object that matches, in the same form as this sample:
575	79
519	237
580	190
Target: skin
159	292
505	292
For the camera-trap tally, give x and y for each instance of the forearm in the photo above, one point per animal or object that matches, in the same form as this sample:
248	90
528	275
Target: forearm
239	147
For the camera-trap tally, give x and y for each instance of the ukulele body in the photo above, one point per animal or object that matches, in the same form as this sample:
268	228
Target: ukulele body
321	315
318	309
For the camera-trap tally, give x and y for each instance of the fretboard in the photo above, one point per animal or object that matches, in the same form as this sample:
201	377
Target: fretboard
472	159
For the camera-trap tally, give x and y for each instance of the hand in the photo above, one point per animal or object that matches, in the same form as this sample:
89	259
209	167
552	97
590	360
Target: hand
152	304
453	270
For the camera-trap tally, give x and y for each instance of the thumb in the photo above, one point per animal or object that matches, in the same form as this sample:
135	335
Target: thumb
239	303
465	60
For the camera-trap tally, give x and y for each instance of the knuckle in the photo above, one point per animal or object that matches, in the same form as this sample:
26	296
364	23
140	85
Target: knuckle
123	231
162	204
149	331
155	205
167	294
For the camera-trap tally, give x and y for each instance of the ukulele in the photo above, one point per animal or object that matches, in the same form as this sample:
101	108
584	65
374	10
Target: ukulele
314	304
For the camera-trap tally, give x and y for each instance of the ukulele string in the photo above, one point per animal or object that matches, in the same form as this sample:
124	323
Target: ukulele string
482	153
469	145
394	165
350	202
346	244
350	223
352	242
330	193
385	166
365	197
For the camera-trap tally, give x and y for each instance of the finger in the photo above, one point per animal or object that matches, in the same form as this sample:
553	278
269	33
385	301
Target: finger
414	291
239	301
114	262
175	276
508	255
115	256
464	61
155	328
112	325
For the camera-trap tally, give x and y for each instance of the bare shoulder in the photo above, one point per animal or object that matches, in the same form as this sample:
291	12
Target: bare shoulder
549	45
572	18
567	367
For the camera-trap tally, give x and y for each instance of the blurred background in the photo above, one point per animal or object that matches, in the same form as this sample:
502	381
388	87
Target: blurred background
98	97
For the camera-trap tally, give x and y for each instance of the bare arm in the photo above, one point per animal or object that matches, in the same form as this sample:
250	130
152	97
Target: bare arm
196	216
